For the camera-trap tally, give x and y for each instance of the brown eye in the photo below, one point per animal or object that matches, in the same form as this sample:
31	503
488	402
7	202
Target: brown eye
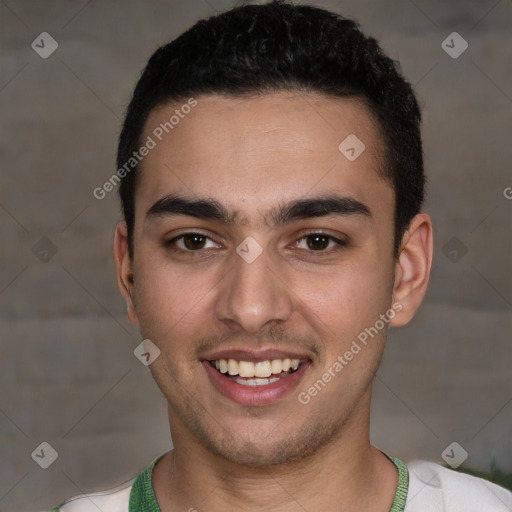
317	242
194	241
320	243
191	242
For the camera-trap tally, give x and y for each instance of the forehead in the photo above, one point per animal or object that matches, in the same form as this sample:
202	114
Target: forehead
251	151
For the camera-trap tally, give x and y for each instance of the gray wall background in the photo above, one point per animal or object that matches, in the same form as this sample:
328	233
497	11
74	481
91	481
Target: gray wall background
68	375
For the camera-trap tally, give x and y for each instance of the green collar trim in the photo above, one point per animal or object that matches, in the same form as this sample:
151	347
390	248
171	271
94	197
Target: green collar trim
402	487
142	496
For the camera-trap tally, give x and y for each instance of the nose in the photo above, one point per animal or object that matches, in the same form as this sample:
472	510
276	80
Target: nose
254	294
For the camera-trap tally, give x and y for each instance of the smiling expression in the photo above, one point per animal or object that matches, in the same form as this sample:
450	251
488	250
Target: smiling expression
260	253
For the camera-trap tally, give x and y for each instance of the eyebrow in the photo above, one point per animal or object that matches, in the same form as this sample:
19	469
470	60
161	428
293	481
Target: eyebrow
295	210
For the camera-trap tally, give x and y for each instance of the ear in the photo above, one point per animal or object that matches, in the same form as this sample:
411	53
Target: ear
124	270
412	268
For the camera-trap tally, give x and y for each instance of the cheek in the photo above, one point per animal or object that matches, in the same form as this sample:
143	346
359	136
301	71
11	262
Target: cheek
342	308
343	301
170	298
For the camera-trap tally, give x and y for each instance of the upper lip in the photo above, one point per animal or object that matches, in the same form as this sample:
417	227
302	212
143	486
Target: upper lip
254	355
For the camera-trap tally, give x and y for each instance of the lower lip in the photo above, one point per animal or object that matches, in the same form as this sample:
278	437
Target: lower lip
255	395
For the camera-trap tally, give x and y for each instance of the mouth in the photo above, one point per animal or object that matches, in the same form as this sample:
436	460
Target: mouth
256	382
260	373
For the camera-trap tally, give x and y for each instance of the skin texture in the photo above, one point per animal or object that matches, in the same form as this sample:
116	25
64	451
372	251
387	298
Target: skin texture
253	155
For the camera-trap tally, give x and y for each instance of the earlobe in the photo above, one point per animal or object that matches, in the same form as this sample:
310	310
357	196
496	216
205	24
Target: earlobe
412	268
124	270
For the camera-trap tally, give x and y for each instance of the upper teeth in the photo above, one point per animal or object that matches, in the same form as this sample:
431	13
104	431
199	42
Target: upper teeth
260	369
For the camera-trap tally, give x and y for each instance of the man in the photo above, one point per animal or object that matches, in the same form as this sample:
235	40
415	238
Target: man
271	184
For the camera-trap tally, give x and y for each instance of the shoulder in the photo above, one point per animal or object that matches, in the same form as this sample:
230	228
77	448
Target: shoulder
435	488
113	500
118	499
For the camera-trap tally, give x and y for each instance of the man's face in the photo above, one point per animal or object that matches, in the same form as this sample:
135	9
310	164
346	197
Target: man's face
262	270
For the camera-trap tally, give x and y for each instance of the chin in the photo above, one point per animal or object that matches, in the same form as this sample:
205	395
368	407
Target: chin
269	450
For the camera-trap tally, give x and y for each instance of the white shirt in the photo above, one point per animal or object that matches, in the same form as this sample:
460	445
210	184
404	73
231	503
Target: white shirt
432	488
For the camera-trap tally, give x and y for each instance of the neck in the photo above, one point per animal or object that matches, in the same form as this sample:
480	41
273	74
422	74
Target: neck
348	474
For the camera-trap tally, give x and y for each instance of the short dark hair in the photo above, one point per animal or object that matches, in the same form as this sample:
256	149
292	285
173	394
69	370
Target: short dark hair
252	50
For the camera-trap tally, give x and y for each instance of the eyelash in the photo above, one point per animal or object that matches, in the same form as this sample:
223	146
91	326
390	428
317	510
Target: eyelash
340	244
171	243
